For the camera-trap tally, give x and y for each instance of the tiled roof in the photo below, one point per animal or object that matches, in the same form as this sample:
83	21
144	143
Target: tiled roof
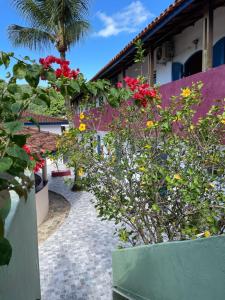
154	23
40	141
42	118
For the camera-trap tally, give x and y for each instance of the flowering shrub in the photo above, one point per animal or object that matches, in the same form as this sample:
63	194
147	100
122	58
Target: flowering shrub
160	175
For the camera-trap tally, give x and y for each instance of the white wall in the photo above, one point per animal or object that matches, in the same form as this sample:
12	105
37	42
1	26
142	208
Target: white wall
184	46
49	128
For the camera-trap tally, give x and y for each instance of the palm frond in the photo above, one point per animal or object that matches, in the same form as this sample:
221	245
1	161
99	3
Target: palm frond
76	31
34	12
32	38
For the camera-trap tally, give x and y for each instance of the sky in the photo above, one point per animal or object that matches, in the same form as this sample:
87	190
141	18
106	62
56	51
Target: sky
114	23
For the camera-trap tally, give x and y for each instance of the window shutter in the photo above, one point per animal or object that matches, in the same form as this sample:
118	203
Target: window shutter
177	71
219	53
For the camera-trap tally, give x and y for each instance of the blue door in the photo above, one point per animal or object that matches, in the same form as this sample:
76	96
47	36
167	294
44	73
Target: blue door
177	71
219	53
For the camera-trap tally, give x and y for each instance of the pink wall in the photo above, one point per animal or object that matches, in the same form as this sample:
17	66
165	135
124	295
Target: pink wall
213	89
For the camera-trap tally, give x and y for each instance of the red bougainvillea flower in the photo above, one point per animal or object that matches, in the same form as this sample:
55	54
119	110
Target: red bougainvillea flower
63	70
40	163
142	91
27	149
119	85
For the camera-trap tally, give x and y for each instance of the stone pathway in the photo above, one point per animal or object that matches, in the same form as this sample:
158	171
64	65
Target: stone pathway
75	262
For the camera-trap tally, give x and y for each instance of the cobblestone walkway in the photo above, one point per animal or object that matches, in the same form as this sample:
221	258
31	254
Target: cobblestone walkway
75	262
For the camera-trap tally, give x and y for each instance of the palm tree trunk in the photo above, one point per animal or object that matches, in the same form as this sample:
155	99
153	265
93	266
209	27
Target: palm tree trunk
63	55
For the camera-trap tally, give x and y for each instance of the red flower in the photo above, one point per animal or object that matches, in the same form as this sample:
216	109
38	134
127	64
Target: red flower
27	149
63	70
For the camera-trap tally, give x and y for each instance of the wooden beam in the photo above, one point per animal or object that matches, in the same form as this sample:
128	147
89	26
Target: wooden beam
207	53
151	66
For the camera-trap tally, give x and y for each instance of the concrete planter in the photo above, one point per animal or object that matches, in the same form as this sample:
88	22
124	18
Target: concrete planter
42	204
61	173
188	270
20	279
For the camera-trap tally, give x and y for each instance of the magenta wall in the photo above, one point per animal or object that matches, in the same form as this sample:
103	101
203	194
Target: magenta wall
214	89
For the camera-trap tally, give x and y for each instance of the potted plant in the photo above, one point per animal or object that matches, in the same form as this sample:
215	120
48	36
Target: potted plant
59	172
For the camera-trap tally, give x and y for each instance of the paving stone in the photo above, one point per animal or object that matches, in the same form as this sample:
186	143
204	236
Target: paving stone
75	261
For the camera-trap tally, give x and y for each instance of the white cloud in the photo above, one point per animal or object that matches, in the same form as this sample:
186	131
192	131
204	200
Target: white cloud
127	20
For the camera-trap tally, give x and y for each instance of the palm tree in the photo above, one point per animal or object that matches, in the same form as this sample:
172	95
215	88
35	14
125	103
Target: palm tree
51	22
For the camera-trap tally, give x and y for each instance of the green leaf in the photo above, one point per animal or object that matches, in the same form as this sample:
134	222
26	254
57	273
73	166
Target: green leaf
19	70
14	126
15	108
50	76
16	151
33	75
19	139
5	252
32	80
13	88
5	203
5	59
74	84
5	164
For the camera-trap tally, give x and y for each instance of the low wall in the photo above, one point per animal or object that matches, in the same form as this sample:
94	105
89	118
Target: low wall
214	89
20	279
42	204
188	270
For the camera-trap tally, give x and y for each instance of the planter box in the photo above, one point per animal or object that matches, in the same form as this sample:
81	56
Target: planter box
20	279
61	173
187	270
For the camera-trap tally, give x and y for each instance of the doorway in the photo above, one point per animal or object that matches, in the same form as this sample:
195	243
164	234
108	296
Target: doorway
194	64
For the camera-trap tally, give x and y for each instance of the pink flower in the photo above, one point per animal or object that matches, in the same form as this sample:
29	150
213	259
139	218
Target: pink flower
119	85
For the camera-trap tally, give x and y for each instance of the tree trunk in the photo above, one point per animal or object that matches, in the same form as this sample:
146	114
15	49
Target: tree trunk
63	55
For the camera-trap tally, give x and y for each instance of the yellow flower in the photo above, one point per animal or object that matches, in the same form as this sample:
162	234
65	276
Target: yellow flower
148	147
82	127
223	121
186	92
80	172
192	127
142	169
149	124
207	234
211	185
82	116
177	176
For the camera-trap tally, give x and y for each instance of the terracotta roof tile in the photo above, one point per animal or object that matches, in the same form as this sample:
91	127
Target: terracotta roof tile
42	118
40	141
158	19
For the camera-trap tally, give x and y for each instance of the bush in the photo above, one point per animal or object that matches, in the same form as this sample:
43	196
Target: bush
160	176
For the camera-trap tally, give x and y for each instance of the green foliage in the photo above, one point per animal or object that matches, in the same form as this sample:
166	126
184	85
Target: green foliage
14	160
140	52
160	176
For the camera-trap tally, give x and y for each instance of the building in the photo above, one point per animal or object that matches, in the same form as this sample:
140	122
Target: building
47	123
185	44
187	38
